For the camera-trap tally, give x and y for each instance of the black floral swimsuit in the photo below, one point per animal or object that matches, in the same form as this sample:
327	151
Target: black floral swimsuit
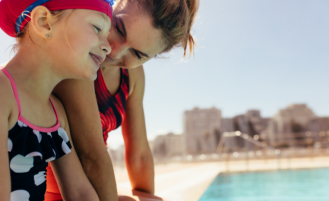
30	148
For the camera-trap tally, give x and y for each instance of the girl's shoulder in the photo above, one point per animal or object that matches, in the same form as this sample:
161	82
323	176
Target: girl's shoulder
62	118
8	104
5	85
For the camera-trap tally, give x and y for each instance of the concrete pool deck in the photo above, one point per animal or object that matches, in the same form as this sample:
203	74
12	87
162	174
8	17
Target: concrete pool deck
188	181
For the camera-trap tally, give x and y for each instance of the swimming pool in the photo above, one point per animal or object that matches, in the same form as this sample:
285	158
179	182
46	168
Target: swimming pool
292	185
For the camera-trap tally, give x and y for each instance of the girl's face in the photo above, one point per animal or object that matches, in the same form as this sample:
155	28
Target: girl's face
78	43
133	38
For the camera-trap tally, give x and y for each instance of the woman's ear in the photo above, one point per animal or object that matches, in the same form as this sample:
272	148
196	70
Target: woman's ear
41	21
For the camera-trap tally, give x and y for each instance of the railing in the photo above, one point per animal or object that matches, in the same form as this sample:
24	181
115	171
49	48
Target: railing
304	145
243	136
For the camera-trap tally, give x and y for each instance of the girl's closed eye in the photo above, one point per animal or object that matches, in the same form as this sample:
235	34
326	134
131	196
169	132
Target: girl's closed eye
97	29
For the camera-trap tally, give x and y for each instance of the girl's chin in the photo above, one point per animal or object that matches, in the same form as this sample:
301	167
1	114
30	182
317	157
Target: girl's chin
89	75
92	77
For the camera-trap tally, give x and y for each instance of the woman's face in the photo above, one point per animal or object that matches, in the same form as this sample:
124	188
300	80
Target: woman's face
133	38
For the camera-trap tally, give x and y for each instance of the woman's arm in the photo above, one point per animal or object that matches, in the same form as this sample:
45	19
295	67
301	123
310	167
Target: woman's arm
72	181
138	156
80	104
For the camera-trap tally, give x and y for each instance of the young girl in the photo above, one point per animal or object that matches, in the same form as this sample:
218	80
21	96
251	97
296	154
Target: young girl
54	43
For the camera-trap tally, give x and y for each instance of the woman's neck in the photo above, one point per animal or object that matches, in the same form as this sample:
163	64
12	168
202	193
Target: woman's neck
33	74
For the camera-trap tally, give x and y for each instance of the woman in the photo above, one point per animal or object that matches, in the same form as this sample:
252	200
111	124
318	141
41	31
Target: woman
141	29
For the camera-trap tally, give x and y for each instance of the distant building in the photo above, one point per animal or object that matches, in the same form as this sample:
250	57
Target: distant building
241	124
201	130
317	125
250	123
291	126
319	128
227	125
167	145
257	124
287	124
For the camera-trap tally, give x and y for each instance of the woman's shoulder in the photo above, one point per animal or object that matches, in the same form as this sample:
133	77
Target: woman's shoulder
136	78
137	72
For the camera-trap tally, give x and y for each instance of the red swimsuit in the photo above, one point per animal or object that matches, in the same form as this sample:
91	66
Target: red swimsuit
112	110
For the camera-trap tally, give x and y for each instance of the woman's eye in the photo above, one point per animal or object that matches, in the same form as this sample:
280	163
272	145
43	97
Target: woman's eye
118	30
137	55
97	29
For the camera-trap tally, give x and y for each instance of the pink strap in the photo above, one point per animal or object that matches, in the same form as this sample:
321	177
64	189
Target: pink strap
54	110
21	118
13	85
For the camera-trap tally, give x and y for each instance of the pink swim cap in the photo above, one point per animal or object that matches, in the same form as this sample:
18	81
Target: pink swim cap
14	14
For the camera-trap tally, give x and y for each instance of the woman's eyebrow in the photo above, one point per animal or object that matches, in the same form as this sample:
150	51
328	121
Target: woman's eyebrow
125	33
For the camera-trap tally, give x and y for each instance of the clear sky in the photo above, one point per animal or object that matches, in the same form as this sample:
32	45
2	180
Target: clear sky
252	54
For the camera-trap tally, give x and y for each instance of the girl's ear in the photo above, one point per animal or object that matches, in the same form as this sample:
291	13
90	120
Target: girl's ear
41	21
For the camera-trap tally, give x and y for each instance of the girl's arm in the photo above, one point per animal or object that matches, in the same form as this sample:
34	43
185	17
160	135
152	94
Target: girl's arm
4	165
6	121
138	156
72	181
80	104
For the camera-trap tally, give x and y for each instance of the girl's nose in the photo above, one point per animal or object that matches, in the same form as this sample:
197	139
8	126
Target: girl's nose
105	46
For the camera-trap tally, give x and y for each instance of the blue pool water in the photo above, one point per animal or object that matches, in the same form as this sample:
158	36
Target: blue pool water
292	185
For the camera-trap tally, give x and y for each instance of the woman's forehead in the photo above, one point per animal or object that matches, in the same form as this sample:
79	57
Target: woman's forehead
141	34
125	6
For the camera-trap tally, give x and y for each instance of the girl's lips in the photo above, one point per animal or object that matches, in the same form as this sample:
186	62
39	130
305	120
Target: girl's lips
99	58
95	60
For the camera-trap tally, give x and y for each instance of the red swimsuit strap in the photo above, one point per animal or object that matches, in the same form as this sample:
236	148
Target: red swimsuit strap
112	108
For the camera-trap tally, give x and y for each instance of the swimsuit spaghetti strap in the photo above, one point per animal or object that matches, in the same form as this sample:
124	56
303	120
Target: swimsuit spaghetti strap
20	117
13	85
54	109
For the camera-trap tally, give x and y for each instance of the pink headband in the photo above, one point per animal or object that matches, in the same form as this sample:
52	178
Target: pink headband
14	13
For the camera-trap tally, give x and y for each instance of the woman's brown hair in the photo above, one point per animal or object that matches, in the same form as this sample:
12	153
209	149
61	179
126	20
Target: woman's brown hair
175	18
